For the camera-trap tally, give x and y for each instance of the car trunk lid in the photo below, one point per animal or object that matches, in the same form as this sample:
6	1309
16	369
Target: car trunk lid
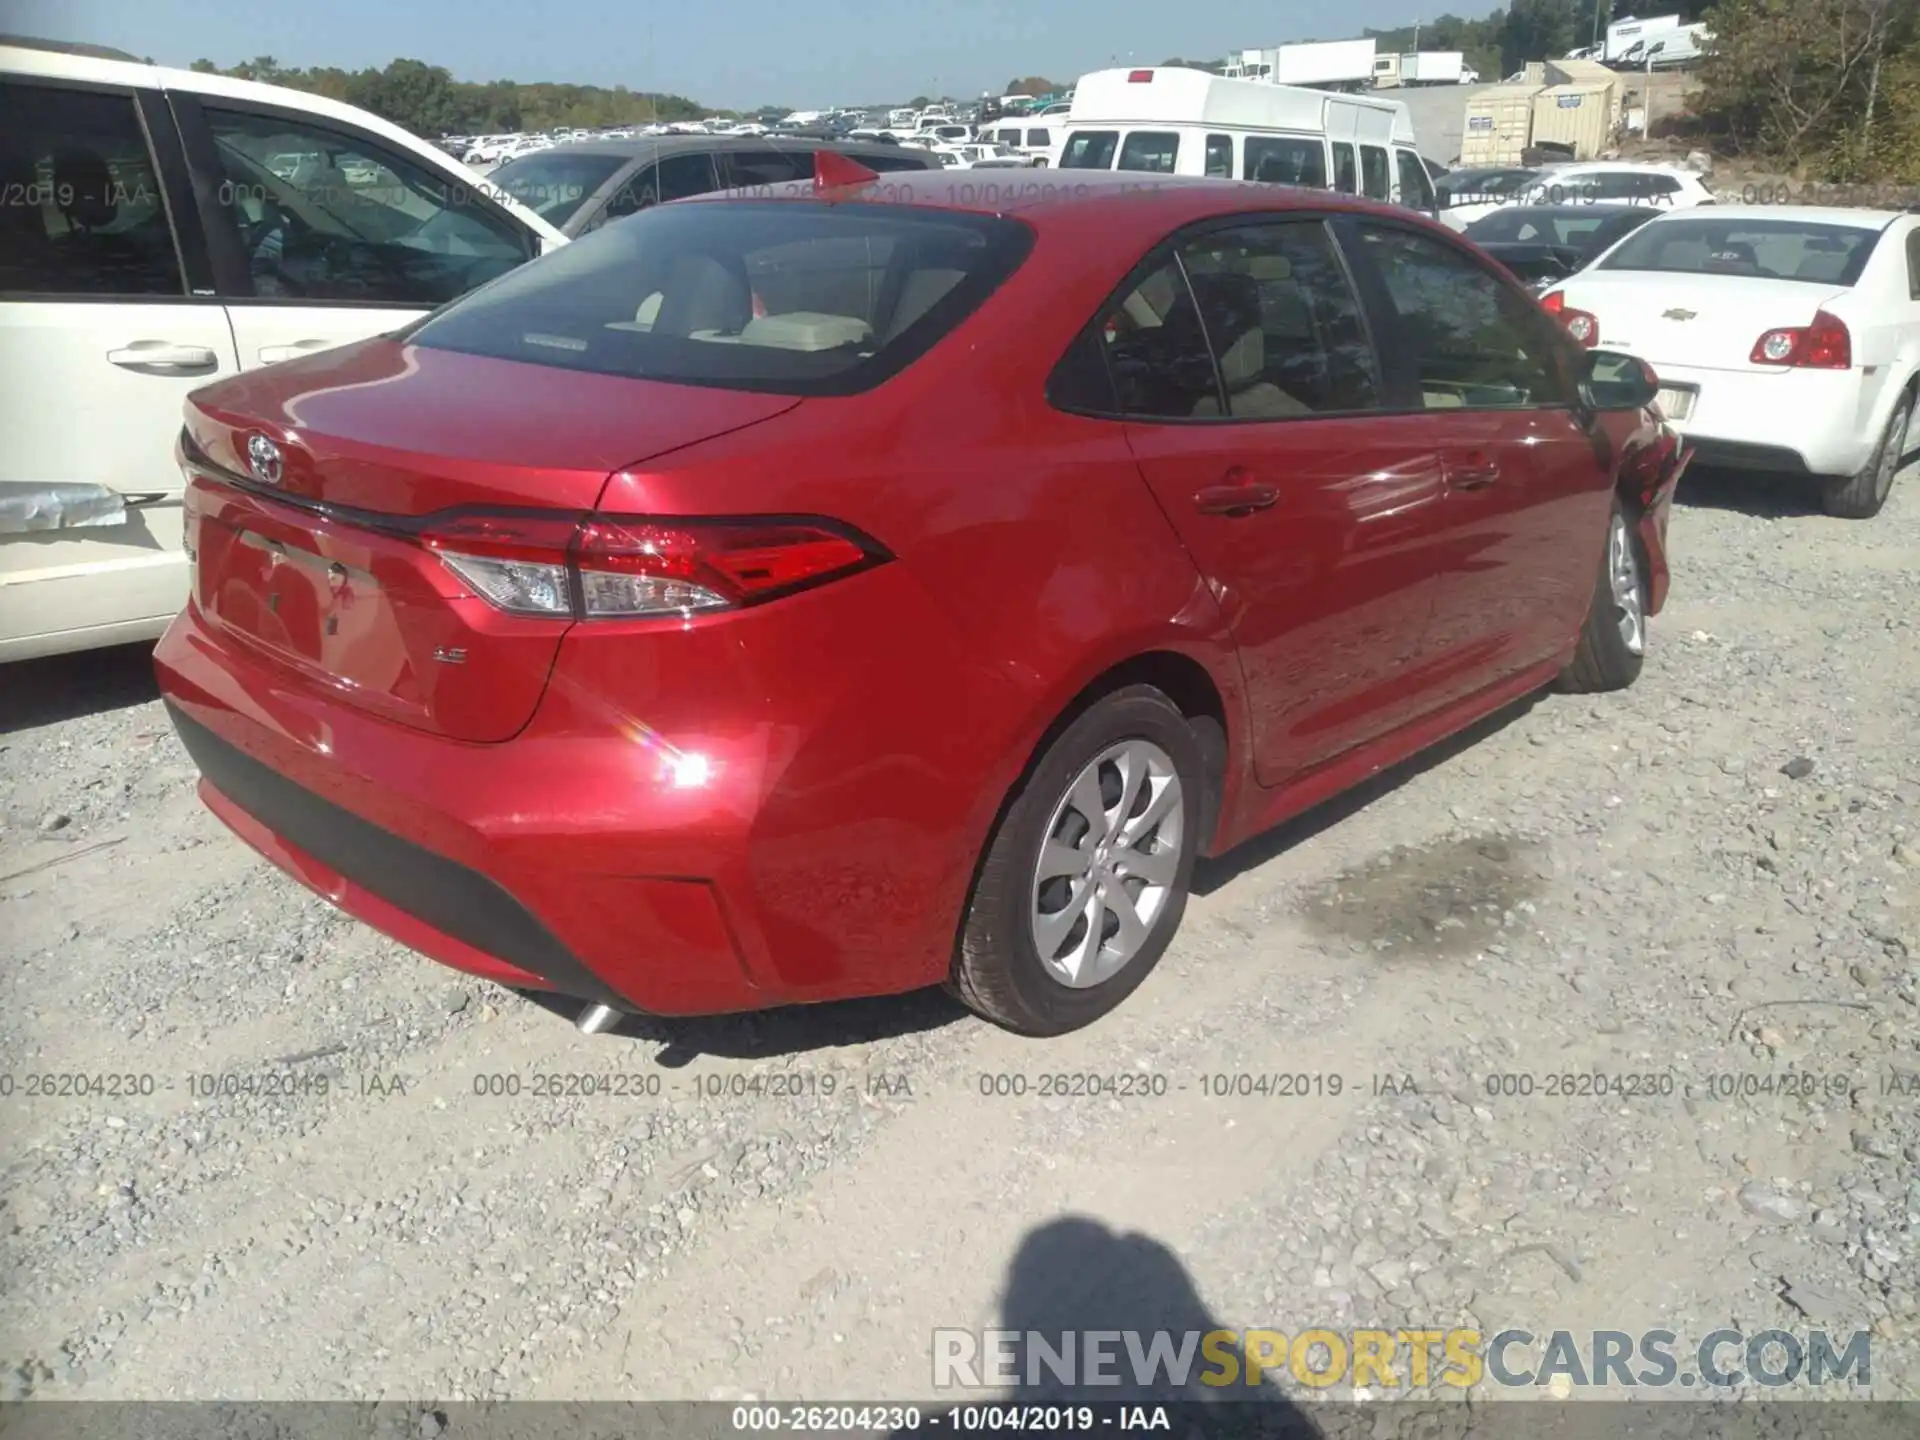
1707	322
318	489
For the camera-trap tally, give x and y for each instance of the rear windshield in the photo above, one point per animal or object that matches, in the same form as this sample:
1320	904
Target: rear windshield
790	297
1544	227
1769	249
554	186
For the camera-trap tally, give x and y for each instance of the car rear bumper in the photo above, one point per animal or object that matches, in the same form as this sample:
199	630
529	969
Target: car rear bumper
1806	422
812	853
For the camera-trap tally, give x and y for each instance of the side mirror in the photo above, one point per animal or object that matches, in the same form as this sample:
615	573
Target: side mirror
1615	381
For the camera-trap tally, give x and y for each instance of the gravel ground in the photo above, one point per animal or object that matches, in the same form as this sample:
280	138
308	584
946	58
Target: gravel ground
1714	875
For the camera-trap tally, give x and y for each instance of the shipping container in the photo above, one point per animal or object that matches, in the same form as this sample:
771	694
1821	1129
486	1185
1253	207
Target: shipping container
1583	120
1499	127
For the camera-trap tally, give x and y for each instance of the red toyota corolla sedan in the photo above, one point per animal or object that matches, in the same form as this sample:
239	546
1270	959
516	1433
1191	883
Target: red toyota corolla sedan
782	599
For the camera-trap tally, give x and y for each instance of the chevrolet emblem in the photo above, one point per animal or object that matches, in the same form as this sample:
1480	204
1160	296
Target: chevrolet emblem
1679	315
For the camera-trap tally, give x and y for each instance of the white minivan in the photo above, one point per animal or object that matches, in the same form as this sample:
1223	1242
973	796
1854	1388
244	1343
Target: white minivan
1175	121
161	230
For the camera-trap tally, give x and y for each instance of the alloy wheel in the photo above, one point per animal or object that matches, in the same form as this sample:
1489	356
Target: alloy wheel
1107	865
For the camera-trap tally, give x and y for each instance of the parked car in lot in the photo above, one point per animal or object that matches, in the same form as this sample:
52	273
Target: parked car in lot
778	600
1544	244
163	229
581	187
1786	338
1664	187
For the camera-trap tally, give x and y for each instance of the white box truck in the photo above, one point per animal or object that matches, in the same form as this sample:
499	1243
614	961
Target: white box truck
1325	65
1436	67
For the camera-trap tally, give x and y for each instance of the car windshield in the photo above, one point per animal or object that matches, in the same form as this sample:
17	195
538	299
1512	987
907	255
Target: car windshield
1806	250
784	296
555	185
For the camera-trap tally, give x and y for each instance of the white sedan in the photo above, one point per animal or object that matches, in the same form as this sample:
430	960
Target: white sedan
1599	182
1786	338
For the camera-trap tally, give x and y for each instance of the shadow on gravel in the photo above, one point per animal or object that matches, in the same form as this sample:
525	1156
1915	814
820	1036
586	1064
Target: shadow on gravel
1072	1278
1748	492
769	1034
68	687
1210	875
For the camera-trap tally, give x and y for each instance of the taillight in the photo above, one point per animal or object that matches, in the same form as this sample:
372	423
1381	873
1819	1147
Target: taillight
1582	326
606	567
1826	344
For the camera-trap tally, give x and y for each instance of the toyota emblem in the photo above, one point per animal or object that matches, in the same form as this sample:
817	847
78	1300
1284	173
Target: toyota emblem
263	459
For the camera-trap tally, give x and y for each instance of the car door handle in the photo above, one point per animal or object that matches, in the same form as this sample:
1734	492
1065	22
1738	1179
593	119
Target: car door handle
159	355
1242	499
274	354
1476	472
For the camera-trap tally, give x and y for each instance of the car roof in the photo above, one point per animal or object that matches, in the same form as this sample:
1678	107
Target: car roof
1606	212
1643	167
648	146
1802	214
1172	200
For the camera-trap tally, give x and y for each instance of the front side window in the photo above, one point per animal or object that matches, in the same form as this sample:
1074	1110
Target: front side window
555	184
1220	156
80	205
1284	161
1416	185
331	215
1284	324
1346	174
766	167
1459	336
1150	150
790	297
677	177
1376	181
1913	263
1090	150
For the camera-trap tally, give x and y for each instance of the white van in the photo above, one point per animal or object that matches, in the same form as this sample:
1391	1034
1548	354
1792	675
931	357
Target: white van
1175	121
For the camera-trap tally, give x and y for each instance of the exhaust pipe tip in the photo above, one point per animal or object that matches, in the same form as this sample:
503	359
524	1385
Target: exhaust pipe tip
598	1019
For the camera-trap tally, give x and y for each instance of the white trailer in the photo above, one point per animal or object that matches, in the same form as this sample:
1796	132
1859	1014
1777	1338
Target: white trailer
1325	65
1433	67
1623	35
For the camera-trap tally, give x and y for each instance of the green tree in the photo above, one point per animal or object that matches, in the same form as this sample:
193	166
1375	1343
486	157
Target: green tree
1833	85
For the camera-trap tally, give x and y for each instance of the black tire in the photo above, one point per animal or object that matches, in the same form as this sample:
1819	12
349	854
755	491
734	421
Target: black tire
1861	495
1604	659
998	971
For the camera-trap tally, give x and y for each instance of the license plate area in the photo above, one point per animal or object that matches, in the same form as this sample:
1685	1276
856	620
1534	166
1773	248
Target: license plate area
1676	402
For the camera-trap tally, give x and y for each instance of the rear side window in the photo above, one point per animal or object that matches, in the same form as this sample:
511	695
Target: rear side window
1913	263
1220	156
1346	175
1376	181
789	296
80	207
1284	161
1150	150
1090	150
1038	138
